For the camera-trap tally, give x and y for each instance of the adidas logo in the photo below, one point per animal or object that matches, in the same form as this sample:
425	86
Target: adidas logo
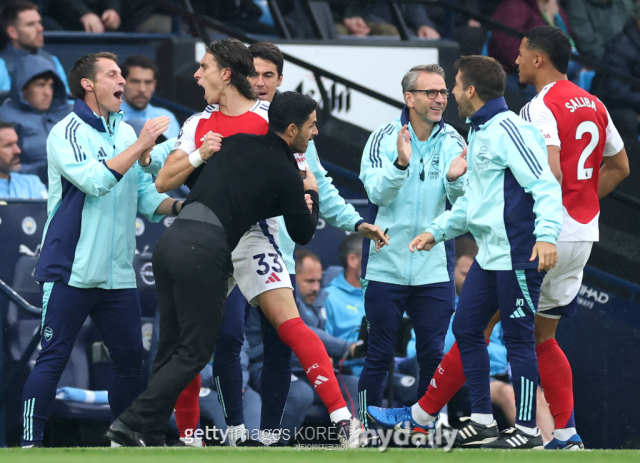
319	381
273	278
517	441
101	154
518	313
433	383
468	432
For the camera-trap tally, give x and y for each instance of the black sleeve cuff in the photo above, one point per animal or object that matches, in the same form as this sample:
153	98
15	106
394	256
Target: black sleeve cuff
398	166
115	173
358	223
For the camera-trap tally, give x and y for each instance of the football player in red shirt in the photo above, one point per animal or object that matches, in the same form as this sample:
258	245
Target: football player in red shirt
223	74
587	156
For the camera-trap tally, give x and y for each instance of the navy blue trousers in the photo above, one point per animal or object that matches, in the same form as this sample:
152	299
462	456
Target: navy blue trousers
276	373
515	293
429	307
116	313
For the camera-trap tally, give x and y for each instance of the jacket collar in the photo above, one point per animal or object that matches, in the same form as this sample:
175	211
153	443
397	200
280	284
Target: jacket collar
490	109
88	116
283	144
404	120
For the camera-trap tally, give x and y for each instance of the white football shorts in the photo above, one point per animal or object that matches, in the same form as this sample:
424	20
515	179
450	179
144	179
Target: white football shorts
562	283
257	264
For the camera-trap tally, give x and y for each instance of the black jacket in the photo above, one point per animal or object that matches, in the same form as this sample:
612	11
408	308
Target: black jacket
252	178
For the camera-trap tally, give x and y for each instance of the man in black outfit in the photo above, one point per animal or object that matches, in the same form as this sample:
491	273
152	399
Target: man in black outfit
251	178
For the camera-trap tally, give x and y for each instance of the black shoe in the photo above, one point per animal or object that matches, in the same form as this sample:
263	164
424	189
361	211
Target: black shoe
155	439
249	443
473	434
122	434
513	438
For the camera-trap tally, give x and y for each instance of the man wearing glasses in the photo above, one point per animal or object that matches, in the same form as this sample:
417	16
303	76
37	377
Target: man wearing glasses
413	170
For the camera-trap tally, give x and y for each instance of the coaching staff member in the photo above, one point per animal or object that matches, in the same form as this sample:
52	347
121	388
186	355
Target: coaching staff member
251	178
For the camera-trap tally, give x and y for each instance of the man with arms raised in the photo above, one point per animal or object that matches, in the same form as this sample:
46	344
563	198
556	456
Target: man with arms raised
95	190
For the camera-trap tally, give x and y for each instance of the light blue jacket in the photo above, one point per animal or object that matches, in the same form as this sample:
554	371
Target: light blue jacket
89	238
345	308
22	186
333	209
405	204
512	199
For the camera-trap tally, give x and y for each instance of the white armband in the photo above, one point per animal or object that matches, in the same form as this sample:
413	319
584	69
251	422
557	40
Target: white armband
195	159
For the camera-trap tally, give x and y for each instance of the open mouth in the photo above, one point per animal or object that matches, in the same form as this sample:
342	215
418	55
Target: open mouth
438	110
118	95
262	94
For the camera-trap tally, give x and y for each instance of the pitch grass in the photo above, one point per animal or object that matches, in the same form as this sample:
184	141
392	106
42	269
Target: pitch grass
221	454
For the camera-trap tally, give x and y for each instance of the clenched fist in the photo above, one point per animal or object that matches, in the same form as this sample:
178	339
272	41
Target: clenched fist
309	181
211	143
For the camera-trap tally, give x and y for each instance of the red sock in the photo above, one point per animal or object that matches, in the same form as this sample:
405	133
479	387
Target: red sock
314	359
187	409
446	381
557	381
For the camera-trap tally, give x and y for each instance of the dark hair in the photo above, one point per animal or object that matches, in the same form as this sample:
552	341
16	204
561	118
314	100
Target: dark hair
290	108
85	68
301	255
466	247
140	61
12	10
552	42
268	52
232	54
44	75
352	244
484	73
7	125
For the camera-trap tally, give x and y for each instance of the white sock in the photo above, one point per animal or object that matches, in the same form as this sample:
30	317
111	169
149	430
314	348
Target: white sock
444	420
564	434
236	432
192	441
420	416
113	444
530	431
482	418
340	415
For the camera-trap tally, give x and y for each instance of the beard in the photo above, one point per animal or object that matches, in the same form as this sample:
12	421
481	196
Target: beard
465	109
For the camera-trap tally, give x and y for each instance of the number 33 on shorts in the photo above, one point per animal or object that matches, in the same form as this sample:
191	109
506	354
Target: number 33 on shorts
265	266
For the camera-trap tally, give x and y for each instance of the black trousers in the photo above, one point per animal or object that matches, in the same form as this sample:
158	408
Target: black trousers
191	264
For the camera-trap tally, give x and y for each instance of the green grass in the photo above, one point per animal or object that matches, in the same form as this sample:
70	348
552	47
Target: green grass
221	454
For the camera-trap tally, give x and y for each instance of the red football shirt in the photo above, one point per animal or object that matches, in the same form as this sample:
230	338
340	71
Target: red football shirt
579	124
254	121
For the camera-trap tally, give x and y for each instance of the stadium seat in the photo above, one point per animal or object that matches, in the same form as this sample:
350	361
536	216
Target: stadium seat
24	284
329	274
146	284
